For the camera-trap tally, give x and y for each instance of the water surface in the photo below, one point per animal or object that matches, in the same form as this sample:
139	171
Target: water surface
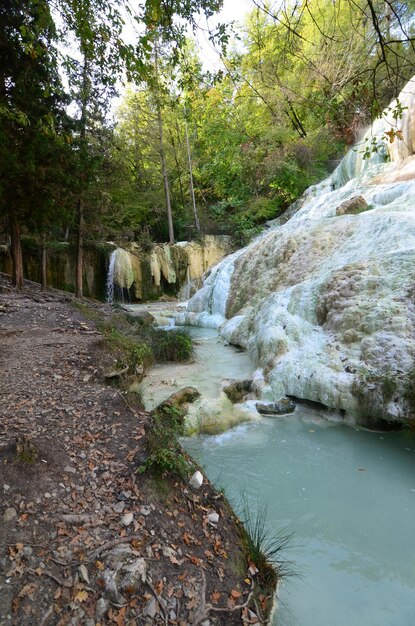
349	498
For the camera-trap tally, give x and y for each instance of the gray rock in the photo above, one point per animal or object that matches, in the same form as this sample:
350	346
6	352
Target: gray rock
179	399
9	514
101	609
119	507
111	589
127	519
69	469
238	390
143	317
355	205
134	574
151	608
145	510
283	406
118	555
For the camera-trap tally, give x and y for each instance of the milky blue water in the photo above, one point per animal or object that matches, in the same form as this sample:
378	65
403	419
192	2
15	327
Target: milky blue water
349	498
346	494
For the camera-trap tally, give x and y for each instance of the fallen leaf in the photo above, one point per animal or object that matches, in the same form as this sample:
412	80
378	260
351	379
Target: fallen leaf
235	594
28	590
58	593
191	604
215	597
159	586
120	619
81	596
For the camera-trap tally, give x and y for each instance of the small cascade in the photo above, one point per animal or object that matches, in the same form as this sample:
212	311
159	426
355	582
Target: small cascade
110	278
120	276
323	302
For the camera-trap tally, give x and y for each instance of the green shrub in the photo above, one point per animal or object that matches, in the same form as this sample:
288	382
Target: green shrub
244	229
171	345
164	451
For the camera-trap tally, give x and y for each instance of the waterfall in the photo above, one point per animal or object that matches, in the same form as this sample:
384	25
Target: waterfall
110	278
323	302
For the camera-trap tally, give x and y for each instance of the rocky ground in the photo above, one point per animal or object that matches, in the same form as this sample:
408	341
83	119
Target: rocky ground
84	538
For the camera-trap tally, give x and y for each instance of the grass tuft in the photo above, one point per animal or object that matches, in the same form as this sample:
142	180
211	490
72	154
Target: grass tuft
266	548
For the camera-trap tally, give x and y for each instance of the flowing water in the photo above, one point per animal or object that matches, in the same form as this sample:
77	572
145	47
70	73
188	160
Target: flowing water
346	494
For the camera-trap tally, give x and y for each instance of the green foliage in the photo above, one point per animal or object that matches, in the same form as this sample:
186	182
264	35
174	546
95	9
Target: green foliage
164	451
33	122
244	229
140	346
171	345
132	352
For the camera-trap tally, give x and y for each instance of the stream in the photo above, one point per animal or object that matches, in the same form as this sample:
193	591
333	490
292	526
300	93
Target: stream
346	494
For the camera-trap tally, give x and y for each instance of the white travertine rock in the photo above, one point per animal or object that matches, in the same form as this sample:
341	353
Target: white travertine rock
323	303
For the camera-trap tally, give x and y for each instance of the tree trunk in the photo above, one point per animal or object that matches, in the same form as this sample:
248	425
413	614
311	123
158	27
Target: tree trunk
16	248
79	252
163	156
44	264
178	168
85	95
192	189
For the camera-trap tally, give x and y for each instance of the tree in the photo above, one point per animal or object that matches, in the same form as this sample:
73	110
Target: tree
32	121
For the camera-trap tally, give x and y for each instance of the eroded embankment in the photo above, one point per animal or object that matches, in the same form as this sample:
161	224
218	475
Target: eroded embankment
85	539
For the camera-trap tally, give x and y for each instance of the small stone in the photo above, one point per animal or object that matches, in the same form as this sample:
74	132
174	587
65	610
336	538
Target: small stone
101	609
48	495
119	507
150	608
6	487
127	519
83	574
69	469
9	514
213	518
196	480
145	510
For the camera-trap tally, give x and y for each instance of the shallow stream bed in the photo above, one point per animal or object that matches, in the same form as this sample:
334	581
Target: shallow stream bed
347	495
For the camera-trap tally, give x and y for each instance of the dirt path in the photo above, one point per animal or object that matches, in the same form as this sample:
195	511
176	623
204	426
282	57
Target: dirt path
84	538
